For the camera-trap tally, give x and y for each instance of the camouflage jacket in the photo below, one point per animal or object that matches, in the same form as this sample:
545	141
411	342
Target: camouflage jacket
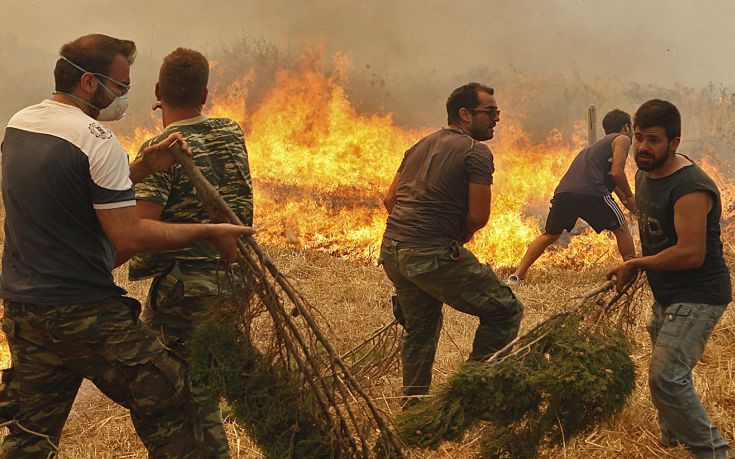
219	151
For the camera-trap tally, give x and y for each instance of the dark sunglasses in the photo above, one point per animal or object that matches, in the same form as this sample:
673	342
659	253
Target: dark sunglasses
491	110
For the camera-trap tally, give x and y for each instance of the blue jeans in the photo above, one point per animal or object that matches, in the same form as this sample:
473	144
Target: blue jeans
679	334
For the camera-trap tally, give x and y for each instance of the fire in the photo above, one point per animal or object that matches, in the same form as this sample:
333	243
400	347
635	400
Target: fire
232	104
320	170
525	178
131	143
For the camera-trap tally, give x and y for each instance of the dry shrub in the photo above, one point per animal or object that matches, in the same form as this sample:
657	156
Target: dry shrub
562	379
270	404
355	298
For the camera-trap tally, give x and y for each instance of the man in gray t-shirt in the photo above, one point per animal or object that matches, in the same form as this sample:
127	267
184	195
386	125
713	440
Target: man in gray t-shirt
438	199
585	192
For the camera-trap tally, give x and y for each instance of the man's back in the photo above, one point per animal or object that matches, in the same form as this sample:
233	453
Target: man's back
219	152
431	198
59	166
589	173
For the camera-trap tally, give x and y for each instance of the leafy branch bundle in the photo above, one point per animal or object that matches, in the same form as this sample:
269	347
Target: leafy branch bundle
267	355
562	378
268	402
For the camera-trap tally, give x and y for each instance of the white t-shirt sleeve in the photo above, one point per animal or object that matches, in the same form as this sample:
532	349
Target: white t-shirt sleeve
110	172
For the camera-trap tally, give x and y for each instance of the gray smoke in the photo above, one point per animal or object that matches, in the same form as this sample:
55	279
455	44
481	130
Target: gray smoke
407	56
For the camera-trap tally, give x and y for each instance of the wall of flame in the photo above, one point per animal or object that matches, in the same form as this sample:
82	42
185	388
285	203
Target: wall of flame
320	170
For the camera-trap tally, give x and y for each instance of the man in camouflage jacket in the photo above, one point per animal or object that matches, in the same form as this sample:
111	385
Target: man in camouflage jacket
186	282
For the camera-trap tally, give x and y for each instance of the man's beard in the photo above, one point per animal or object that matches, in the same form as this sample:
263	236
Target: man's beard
480	135
99	100
656	162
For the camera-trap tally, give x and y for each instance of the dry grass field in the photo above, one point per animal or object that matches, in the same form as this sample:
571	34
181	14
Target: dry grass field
354	298
319	174
321	166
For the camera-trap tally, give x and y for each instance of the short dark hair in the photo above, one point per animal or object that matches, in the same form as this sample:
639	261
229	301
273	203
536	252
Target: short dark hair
659	113
183	78
615	120
465	97
94	53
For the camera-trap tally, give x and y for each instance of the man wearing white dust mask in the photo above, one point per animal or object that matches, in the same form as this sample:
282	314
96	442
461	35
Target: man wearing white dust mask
98	107
69	220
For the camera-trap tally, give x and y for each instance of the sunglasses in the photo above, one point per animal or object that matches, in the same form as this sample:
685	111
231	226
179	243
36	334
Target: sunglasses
489	110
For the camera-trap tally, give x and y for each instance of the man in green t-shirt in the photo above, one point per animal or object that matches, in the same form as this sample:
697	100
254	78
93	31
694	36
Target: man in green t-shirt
186	281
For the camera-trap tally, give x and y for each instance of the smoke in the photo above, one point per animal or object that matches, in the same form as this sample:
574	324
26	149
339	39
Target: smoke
548	59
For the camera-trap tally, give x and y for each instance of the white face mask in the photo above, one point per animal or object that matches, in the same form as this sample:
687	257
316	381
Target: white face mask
114	111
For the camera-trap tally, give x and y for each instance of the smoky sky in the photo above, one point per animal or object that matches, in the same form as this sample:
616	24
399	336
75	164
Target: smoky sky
654	41
674	40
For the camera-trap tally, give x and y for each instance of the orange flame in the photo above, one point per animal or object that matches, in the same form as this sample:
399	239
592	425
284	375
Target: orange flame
320	170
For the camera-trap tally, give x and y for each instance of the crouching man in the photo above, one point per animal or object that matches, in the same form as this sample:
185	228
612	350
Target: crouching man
438	199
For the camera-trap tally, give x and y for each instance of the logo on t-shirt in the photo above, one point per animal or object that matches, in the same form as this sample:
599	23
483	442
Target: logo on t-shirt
100	131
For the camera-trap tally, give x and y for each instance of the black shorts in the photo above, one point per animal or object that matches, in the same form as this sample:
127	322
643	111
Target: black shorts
601	213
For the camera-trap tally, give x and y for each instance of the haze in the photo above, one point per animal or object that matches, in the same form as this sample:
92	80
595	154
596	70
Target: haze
659	42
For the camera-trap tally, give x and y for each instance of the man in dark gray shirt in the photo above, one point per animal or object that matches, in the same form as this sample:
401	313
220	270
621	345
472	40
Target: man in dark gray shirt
679	210
437	201
585	192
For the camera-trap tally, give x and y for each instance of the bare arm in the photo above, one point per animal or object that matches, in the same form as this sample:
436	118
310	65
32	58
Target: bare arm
390	196
130	234
627	201
621	145
619	193
690	223
149	210
478	209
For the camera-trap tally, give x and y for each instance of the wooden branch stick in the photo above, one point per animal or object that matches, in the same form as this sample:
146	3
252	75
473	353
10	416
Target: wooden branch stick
14	422
309	367
219	211
604	287
498	355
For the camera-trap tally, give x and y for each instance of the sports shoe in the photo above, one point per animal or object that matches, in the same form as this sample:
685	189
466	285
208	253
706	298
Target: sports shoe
514	280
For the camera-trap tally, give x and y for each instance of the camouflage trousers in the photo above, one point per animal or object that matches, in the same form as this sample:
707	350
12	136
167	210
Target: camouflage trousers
177	303
427	277
54	347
